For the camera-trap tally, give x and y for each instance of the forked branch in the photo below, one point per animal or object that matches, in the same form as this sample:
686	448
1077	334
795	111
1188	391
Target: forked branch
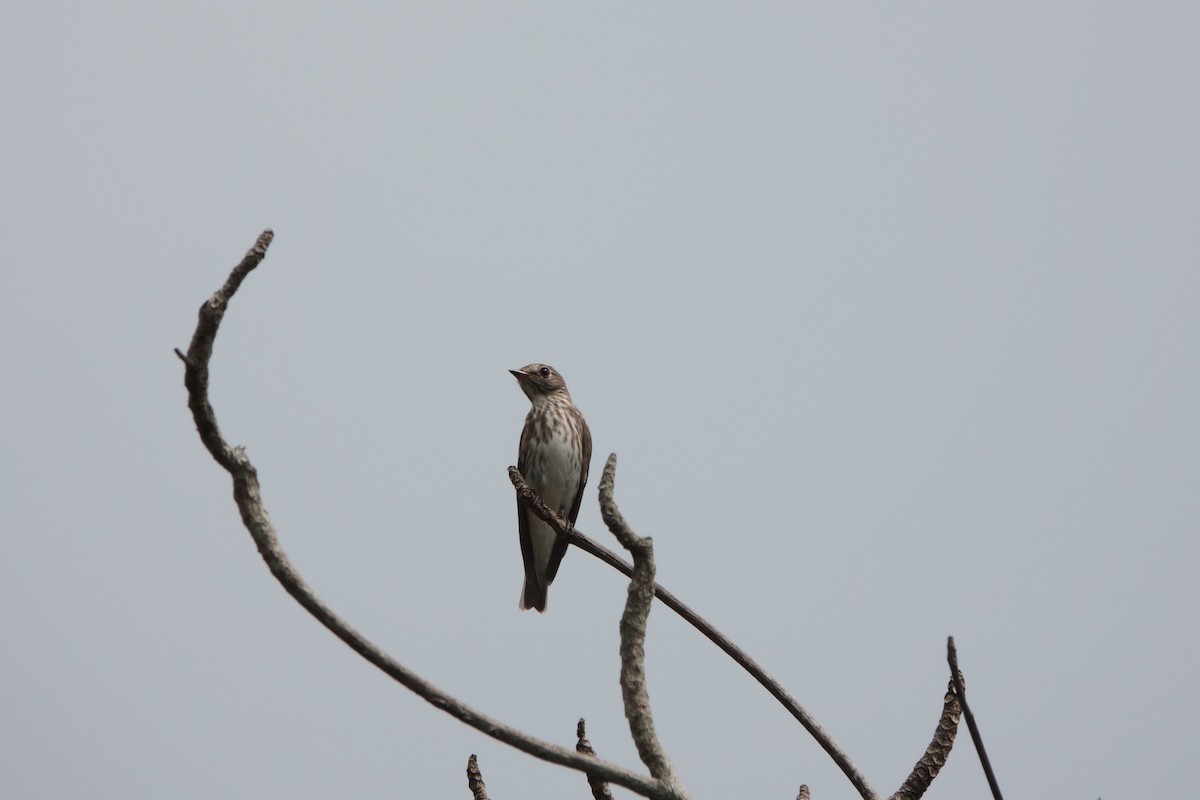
248	496
588	545
926	768
663	783
957	681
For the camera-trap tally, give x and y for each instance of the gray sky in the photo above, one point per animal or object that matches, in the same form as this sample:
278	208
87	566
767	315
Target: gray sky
890	311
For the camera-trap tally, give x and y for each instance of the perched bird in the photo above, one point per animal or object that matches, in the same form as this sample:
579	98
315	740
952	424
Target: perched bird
555	451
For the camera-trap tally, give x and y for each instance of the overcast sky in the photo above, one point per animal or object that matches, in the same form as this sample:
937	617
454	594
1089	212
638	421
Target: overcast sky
890	311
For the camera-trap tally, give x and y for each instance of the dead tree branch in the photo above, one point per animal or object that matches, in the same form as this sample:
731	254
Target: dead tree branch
588	545
633	634
248	496
663	784
931	763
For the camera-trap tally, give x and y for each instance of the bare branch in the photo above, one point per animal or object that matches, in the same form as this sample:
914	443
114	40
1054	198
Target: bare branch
195	376
803	793
248	496
931	763
633	634
588	545
599	788
956	678
475	779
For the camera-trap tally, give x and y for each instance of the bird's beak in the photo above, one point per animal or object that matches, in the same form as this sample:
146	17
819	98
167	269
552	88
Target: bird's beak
516	373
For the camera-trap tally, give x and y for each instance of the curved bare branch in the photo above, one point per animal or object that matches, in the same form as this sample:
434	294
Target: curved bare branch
741	657
248	496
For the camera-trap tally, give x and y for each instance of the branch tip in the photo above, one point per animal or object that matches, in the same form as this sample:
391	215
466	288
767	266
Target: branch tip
475	779
959	683
598	786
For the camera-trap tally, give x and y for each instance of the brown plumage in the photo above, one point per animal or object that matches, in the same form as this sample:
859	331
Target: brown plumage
554	455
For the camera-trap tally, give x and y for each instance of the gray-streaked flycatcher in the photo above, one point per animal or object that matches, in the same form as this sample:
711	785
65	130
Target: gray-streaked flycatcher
554	455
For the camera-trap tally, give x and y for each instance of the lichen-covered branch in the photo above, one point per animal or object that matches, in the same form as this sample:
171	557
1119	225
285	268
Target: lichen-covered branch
633	634
248	496
743	659
931	763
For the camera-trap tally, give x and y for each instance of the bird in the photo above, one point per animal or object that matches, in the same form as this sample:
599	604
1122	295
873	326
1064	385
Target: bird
554	455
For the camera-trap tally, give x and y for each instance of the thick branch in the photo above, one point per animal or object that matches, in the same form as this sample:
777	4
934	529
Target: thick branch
633	634
956	678
582	745
588	545
248	496
936	754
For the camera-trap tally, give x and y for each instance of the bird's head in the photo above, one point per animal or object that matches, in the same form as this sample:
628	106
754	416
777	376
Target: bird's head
539	381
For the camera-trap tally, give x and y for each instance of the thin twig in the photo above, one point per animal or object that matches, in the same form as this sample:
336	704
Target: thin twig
633	634
475	779
960	688
931	763
588	545
248	496
582	745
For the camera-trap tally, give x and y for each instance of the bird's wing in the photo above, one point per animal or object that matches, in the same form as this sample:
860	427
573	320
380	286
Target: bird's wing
523	513
560	544
583	470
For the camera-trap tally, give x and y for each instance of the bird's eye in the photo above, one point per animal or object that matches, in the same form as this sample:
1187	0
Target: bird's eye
544	372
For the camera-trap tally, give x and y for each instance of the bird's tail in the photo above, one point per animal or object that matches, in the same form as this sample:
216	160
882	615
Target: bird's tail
533	596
